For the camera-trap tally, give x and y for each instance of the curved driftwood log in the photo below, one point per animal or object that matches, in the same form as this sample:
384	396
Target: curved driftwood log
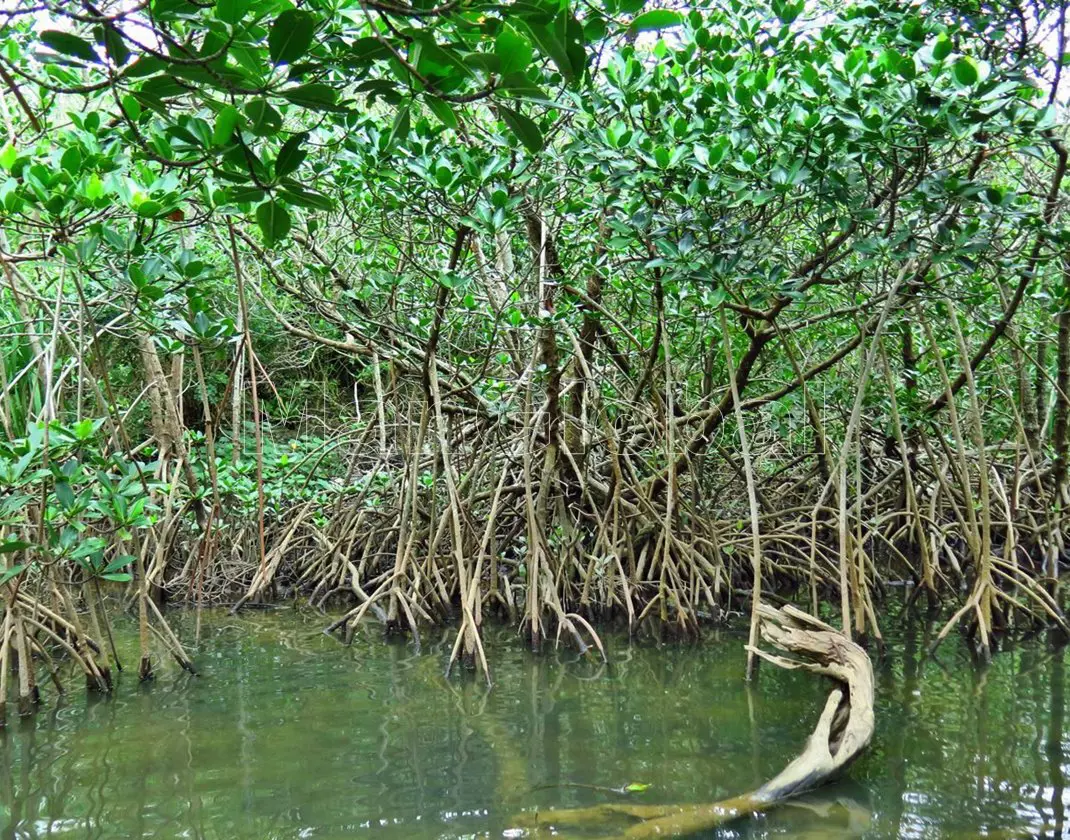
843	731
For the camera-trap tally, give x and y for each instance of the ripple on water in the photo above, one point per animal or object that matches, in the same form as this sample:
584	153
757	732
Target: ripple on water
288	734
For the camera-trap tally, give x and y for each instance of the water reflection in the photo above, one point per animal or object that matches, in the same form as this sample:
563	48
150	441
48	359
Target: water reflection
289	735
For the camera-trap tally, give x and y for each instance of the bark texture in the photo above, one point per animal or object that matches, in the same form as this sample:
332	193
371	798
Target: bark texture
841	735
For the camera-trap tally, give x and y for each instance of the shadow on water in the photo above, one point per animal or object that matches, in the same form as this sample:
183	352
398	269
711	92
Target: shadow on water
287	734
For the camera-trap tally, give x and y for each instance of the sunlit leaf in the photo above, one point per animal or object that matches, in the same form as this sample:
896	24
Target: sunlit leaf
513	50
965	71
656	19
225	122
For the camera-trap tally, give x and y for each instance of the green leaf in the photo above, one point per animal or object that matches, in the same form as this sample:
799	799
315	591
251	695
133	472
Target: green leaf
264	120
441	109
274	221
231	11
83	429
942	47
290	155
115	46
400	130
656	19
11	546
225	122
314	95
295	194
965	71
72	161
514	51
240	195
788	12
8	157
519	86
85	250
119	563
550	42
144	66
68	44
8	574
524	128
65	494
131	107
118	577
438	62
291	35
148	209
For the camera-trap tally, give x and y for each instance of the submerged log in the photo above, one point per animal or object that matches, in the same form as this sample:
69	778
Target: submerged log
842	733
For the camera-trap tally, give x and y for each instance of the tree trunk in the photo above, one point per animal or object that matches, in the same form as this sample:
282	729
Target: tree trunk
842	733
1062	406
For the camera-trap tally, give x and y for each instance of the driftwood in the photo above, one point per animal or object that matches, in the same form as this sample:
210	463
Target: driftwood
843	731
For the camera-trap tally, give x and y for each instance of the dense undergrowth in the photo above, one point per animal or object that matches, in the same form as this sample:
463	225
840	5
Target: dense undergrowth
559	313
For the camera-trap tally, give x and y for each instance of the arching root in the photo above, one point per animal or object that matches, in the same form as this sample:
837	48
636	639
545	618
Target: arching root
842	733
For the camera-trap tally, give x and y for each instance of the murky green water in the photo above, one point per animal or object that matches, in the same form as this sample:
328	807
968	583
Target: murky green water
287	734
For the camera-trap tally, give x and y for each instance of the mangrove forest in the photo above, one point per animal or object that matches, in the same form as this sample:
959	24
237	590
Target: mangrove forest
469	382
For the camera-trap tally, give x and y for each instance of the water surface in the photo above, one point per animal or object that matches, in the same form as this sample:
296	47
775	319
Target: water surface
288	734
